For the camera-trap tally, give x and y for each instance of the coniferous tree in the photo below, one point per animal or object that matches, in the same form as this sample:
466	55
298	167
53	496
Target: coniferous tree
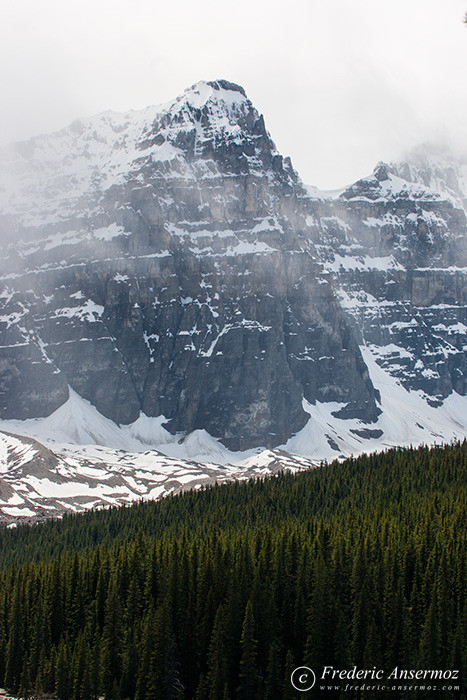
273	676
429	642
288	692
217	663
62	667
249	674
110	650
15	645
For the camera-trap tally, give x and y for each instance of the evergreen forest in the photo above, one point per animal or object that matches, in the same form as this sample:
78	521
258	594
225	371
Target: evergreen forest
219	594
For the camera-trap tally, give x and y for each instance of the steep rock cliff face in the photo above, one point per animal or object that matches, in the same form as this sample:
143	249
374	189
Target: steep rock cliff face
171	262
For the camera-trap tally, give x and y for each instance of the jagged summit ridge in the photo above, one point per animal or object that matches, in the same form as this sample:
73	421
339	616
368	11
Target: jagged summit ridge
214	91
211	127
384	183
438	168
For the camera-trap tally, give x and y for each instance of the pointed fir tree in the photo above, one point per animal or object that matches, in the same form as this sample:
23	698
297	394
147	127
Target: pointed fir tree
110	648
288	692
273	676
15	646
249	672
217	675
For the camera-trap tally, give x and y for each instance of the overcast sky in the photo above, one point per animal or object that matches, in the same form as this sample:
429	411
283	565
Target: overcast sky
341	84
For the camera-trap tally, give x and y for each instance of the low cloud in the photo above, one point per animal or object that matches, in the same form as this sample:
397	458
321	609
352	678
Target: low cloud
342	85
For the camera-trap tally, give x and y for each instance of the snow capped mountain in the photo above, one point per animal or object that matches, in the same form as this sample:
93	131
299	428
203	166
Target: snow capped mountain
168	283
61	177
437	168
160	281
397	256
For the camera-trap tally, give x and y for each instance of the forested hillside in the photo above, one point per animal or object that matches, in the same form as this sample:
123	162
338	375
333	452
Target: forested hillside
221	593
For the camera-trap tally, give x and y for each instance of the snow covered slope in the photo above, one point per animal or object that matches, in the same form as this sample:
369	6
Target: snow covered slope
37	482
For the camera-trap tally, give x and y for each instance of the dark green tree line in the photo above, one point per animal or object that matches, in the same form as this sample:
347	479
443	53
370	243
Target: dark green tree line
220	594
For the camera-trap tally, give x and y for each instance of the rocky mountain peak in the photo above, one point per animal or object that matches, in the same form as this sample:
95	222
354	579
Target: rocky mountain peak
215	121
437	167
215	91
387	183
381	172
169	262
212	128
220	102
